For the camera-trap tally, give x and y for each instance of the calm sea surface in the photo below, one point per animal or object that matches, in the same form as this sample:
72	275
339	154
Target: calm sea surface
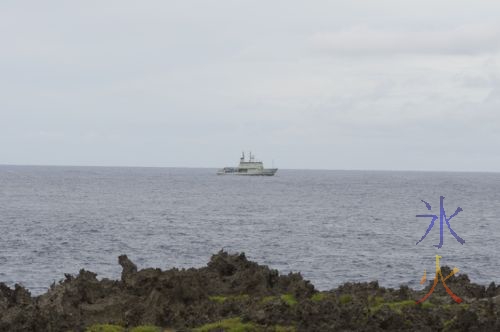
332	226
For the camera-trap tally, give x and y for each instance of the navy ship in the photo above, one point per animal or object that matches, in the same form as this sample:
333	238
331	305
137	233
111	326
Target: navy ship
250	167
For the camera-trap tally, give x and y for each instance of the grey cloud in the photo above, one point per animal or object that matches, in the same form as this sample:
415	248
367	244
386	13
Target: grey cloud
366	41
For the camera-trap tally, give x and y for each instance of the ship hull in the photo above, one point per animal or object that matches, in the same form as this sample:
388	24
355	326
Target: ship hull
244	172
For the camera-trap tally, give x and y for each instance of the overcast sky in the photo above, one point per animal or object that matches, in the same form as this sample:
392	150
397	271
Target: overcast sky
397	85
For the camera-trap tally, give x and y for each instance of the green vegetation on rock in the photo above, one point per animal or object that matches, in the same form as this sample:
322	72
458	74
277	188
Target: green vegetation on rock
279	328
428	305
375	300
146	328
289	299
268	299
345	298
318	297
218	299
222	299
228	325
105	328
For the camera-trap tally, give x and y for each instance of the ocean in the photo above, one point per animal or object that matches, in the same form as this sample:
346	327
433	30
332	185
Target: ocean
331	226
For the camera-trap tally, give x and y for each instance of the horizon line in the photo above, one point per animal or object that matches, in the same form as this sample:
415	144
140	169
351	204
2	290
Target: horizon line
286	169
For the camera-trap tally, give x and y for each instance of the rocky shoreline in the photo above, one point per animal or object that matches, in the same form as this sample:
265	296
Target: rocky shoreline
234	294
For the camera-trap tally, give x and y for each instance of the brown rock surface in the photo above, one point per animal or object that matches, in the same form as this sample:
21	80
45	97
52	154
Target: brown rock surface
231	286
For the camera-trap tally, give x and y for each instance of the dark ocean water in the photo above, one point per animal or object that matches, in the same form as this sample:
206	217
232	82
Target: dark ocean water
332	226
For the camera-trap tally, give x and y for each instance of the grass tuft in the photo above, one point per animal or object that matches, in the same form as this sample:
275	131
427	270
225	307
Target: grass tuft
318	297
289	299
280	328
375	300
428	305
346	298
105	328
268	299
222	299
218	299
228	325
146	328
